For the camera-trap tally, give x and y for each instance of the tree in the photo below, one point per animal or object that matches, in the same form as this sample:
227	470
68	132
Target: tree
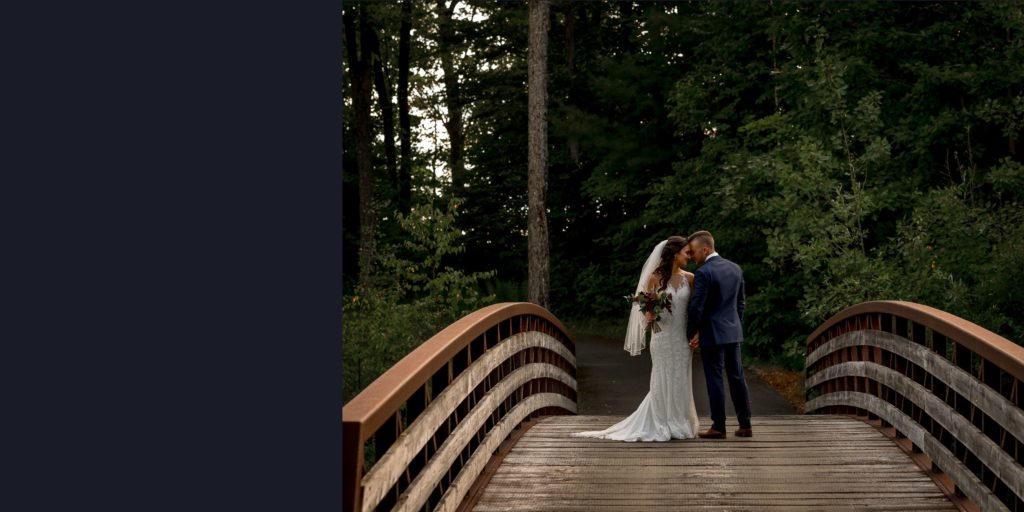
494	186
360	70
383	84
404	124
570	65
537	186
447	43
838	151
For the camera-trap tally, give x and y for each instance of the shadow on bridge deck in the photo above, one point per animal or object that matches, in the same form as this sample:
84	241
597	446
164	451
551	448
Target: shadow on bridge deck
611	382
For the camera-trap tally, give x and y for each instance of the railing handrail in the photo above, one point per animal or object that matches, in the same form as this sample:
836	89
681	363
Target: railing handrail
948	388
375	404
1000	351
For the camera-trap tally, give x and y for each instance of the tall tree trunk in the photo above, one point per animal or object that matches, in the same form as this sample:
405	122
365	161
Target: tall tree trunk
537	141
453	96
626	21
387	109
1011	141
404	125
570	62
359	64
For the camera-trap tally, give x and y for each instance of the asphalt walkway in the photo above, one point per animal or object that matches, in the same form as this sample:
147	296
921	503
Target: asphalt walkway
611	382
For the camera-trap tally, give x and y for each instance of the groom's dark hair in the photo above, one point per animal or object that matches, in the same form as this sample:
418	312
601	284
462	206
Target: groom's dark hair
702	237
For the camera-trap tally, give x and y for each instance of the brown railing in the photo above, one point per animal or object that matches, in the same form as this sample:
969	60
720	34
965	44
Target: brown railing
420	435
946	389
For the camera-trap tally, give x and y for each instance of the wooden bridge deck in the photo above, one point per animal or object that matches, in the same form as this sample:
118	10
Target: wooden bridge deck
792	463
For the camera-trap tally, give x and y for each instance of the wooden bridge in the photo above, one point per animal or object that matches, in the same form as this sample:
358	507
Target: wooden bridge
909	408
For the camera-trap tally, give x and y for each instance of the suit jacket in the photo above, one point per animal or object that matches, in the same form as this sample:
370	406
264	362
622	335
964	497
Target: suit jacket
717	303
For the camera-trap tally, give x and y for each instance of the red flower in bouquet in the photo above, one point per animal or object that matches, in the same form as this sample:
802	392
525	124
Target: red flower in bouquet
652	302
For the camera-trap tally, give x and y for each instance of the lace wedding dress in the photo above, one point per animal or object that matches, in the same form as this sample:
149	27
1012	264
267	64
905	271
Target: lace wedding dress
668	411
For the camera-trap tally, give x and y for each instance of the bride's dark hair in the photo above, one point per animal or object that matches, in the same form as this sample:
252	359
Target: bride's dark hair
668	253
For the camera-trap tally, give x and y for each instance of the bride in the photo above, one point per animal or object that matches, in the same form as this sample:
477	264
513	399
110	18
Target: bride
668	411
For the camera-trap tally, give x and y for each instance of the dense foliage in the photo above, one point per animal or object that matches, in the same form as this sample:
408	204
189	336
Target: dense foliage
839	151
415	296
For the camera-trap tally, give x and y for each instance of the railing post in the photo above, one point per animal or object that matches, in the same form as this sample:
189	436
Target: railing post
351	466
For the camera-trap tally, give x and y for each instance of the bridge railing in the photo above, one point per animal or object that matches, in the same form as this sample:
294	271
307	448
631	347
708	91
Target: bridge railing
434	420
945	386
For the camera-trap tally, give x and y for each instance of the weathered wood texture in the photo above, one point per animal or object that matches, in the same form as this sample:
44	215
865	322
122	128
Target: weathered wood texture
960	474
791	463
454	495
987	399
990	346
975	440
437	416
416	496
949	386
387	470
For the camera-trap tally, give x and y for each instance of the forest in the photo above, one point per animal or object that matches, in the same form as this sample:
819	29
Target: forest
839	152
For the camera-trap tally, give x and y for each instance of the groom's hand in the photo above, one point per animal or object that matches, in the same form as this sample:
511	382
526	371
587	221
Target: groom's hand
695	340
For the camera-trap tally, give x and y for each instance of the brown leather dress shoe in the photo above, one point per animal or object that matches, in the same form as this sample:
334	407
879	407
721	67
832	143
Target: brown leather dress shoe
711	434
744	432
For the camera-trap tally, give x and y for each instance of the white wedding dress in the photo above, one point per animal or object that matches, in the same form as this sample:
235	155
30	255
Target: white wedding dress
668	411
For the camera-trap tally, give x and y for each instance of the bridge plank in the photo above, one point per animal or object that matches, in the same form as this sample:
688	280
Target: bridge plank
966	480
791	463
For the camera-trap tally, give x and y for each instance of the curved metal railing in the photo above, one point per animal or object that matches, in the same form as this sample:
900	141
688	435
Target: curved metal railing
433	421
948	390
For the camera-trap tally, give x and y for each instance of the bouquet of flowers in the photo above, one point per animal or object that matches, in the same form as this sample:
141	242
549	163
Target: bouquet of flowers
652	302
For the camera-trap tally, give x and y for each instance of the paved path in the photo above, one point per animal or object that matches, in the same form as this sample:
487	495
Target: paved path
611	382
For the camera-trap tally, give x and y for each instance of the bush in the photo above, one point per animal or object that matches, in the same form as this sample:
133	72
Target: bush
414	296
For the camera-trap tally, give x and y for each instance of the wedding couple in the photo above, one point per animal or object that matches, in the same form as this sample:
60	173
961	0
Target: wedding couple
707	310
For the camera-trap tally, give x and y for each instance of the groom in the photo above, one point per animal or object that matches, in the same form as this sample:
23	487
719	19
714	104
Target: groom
716	314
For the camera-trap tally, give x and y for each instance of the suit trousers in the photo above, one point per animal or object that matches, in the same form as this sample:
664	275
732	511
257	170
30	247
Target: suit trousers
716	358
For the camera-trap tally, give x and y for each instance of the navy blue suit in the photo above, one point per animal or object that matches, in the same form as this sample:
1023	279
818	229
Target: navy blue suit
716	312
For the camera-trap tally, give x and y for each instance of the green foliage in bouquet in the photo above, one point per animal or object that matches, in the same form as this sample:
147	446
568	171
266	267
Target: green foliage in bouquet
654	303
